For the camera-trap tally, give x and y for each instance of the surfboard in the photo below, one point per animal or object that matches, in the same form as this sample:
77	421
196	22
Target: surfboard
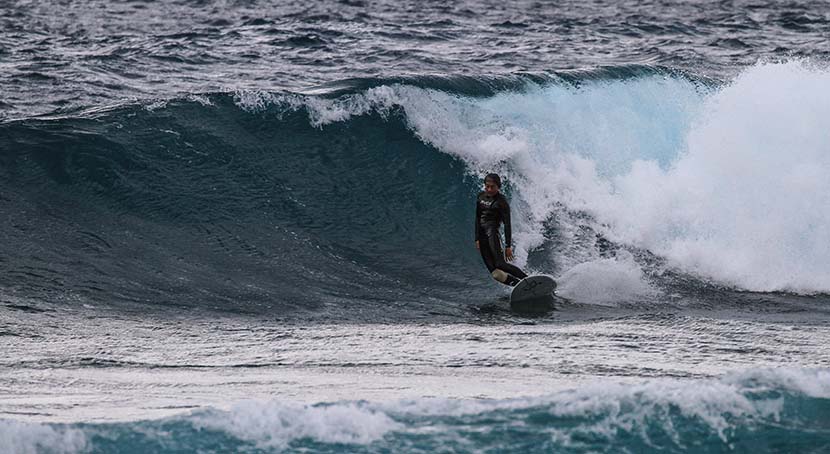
533	294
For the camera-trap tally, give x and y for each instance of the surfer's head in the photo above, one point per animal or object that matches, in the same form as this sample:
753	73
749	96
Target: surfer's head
492	184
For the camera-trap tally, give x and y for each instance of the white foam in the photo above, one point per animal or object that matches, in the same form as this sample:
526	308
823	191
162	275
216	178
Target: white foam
276	424
727	184
747	202
607	406
633	407
809	382
32	438
605	281
201	99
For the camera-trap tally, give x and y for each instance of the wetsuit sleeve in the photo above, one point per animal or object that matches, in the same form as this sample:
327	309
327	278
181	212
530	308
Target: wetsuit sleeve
478	216
505	217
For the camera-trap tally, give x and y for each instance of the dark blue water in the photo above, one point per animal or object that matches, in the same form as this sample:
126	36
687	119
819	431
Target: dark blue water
205	202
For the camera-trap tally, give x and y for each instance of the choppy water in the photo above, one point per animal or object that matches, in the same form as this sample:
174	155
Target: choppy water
235	226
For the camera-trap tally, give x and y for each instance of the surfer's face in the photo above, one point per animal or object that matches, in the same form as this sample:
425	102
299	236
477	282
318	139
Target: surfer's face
490	188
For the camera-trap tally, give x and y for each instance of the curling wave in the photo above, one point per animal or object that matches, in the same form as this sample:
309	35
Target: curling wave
363	196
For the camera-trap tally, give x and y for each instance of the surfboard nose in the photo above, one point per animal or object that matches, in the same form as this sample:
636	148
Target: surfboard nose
534	294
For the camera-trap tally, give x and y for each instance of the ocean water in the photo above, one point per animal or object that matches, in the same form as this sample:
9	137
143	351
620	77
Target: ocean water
246	226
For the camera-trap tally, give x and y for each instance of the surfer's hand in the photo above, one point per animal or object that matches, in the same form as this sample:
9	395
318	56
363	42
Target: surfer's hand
508	253
478	246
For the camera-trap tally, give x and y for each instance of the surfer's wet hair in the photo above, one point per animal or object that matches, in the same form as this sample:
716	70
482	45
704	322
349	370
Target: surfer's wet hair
493	178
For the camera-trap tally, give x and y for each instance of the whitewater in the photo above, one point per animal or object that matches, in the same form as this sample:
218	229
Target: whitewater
247	226
724	182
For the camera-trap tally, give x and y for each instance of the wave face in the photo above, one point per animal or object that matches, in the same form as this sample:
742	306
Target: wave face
363	196
202	202
780	410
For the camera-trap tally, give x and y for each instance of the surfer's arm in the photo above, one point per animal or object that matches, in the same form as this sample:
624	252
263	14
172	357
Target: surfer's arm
505	217
478	216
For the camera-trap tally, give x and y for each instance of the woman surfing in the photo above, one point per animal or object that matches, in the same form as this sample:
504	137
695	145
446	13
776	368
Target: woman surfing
492	210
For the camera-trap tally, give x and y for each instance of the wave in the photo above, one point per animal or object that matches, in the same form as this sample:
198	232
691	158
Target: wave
721	180
762	409
198	202
362	193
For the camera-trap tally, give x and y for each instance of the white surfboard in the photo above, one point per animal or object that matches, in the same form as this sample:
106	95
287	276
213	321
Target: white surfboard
533	290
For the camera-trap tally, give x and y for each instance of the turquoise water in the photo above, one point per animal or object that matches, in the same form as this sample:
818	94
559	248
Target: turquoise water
767	410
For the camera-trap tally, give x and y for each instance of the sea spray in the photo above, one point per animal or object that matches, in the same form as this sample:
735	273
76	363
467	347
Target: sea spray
723	181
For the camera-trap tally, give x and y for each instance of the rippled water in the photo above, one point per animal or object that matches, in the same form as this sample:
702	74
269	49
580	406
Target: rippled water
64	55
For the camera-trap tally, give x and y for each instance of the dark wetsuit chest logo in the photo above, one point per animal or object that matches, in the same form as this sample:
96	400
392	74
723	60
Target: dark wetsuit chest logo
490	211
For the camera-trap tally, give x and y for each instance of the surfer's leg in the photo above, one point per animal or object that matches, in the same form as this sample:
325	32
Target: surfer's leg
486	254
486	249
503	272
490	261
501	263
512	269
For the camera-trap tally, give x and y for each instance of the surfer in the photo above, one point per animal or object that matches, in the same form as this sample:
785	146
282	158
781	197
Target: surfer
492	209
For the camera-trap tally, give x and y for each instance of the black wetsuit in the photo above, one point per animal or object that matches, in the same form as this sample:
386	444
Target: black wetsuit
490	212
